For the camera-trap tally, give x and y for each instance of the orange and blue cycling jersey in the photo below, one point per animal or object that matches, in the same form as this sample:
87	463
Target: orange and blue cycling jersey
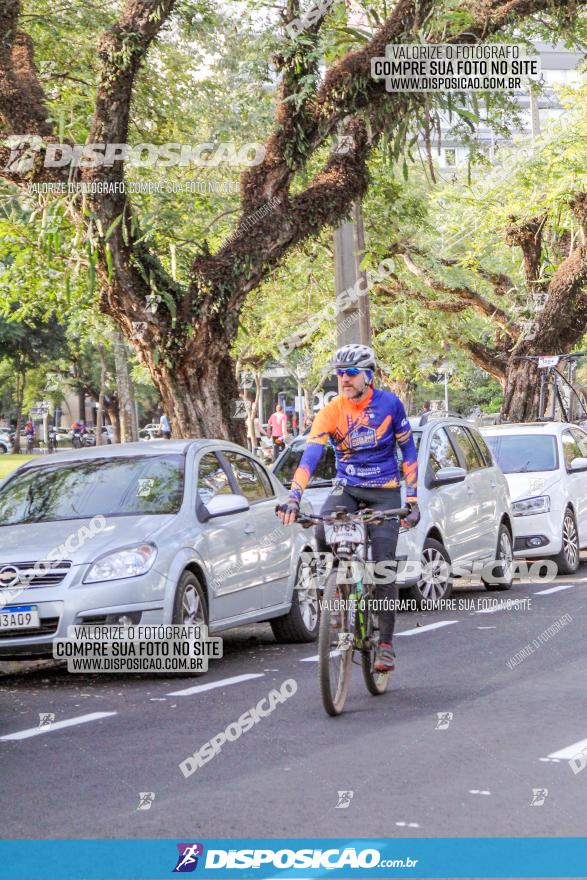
364	436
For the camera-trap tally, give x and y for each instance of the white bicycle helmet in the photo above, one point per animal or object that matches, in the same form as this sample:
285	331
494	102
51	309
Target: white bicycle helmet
354	355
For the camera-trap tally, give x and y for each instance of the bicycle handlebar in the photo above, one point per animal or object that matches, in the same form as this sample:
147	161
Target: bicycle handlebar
366	516
561	357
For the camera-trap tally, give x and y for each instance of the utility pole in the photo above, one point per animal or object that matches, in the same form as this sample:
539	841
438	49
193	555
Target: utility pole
352	324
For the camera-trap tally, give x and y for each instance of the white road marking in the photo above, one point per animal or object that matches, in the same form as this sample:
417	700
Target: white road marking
486	627
407	824
57	725
569	752
315	657
407	632
477	791
555	589
426	628
224	682
513	604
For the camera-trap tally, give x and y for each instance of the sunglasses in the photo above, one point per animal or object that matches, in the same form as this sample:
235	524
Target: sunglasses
350	371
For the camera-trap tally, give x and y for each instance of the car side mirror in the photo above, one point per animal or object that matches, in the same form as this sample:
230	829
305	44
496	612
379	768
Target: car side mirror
223	505
447	475
579	464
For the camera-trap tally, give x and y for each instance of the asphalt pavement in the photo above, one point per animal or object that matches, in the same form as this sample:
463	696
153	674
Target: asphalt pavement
473	738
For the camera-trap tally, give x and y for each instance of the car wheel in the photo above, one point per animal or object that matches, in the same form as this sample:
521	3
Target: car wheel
568	559
190	607
435	582
504	555
2	449
301	623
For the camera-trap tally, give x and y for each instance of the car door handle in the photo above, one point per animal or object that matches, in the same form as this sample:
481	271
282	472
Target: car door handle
249	529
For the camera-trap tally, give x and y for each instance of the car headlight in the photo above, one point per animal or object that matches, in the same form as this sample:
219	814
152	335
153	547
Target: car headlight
528	506
127	563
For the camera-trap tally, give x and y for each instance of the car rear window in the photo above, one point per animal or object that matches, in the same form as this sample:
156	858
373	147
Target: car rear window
524	453
323	475
97	487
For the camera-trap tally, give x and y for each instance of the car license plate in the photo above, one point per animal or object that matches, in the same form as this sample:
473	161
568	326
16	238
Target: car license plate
338	532
20	617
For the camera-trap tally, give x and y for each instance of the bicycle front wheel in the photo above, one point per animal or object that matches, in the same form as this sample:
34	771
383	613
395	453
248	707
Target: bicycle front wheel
335	645
376	682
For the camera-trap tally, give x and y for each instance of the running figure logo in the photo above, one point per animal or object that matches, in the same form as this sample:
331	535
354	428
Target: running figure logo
188	857
344	799
146	799
346	640
444	719
539	795
46	719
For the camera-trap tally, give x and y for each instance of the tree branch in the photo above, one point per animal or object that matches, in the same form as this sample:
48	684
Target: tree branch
527	235
563	319
474	300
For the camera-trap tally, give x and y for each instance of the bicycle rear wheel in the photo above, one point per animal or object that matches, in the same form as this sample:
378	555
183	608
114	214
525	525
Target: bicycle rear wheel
335	646
376	682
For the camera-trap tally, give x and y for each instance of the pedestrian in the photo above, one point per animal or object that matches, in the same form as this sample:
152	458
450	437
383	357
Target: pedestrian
277	430
294	424
164	426
425	408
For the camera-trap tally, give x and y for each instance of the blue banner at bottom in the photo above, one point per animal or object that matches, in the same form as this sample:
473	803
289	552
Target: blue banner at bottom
287	858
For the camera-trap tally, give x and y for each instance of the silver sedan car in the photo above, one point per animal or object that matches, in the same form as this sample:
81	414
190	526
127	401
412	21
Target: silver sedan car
163	532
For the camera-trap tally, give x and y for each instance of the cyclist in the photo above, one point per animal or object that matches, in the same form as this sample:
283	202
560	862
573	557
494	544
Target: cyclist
364	424
29	433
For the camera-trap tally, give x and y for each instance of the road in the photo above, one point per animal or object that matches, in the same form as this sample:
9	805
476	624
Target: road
410	773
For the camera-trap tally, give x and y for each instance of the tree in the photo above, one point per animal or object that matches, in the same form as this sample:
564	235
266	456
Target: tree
503	306
300	187
26	346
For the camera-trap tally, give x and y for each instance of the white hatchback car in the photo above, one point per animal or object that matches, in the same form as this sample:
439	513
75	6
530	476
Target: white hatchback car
545	464
463	499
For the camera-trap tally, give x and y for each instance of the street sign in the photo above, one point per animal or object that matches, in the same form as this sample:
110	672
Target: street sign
39	410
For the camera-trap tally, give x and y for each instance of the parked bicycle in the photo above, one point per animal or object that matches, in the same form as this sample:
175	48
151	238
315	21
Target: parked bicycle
561	398
347	624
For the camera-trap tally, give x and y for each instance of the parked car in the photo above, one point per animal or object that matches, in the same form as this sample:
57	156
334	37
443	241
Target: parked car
150	433
545	464
190	535
5	442
463	499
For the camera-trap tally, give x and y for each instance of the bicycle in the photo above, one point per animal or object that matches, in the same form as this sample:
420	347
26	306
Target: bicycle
30	444
347	623
566	400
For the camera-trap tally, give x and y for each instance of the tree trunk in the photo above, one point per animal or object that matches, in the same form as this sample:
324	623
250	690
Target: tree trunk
125	395
114	416
522	391
81	405
20	385
100	410
198	395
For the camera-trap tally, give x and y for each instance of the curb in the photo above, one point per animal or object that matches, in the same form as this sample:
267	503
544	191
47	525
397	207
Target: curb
17	667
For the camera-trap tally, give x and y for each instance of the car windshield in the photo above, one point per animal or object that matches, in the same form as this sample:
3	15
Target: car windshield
524	453
326	470
97	487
